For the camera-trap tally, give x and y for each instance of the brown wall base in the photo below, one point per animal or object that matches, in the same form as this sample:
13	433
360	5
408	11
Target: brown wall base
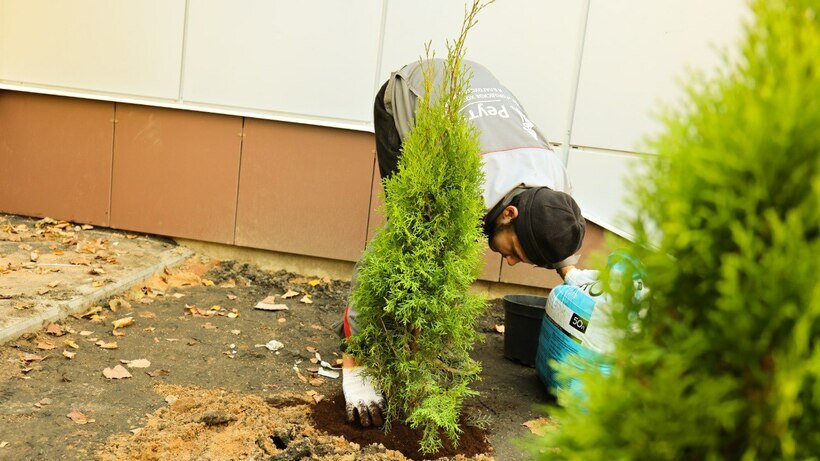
243	183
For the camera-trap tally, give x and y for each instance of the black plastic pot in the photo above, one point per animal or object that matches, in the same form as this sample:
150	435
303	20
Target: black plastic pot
522	324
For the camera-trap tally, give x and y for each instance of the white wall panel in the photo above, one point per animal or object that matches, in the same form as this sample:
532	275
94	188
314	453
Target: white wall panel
314	58
599	182
529	45
635	53
131	48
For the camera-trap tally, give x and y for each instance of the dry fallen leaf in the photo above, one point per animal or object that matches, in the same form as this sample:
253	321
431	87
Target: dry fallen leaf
318	397
282	320
86	333
311	349
45	345
97	284
43	402
139	363
499	329
236	332
170	399
209	326
79	418
116	303
231	297
290	294
3	444
118	372
105	345
54	329
306	299
269	304
123	322
314	282
118	333
157	373
34	256
231	283
301	377
30	358
316	382
147	315
80	261
146	300
89	312
55	283
540	426
70	343
69	355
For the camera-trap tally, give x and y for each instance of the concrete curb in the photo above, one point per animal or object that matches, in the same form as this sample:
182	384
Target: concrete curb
63	309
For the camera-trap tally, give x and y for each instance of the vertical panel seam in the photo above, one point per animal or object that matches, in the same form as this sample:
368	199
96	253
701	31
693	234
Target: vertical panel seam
582	33
380	52
183	52
238	180
111	176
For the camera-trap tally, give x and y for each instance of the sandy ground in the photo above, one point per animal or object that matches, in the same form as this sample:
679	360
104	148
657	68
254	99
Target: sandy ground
200	385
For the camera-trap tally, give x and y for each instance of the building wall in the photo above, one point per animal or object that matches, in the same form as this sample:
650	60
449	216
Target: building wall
291	188
249	123
591	73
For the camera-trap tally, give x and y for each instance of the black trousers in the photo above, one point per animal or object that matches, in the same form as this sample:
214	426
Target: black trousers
388	142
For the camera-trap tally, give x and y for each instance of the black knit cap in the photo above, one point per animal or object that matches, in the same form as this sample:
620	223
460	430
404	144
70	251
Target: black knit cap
549	226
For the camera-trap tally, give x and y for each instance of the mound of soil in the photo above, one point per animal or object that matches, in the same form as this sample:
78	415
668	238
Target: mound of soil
248	274
206	424
213	424
329	416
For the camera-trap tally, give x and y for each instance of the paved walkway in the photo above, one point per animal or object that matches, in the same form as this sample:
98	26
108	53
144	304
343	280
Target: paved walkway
50	270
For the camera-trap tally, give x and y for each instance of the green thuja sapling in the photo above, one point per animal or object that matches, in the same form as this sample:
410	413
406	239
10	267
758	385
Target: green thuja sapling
416	315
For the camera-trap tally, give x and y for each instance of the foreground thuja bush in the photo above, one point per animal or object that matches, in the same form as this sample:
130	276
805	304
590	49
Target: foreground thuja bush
416	315
721	361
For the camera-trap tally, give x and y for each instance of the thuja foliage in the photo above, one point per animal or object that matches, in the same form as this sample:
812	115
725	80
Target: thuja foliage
416	315
721	360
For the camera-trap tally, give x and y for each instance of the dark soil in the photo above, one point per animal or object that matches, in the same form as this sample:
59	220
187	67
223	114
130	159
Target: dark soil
329	416
219	353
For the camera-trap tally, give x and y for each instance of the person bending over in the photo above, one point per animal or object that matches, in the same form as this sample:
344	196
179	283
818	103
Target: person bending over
531	217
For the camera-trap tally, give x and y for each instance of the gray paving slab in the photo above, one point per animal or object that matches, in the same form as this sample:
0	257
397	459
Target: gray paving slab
50	270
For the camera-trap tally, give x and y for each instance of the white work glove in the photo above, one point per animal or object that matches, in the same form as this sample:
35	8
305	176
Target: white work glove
361	397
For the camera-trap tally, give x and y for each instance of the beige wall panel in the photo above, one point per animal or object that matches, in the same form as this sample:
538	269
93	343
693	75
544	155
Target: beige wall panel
492	261
304	189
55	157
176	172
525	274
